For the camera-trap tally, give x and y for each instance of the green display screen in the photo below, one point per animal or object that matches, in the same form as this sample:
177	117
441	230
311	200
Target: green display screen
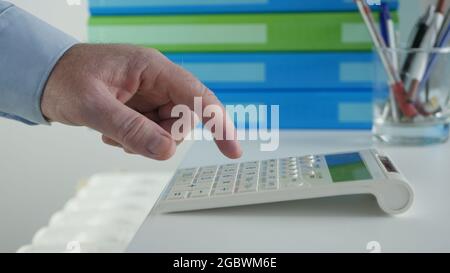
347	167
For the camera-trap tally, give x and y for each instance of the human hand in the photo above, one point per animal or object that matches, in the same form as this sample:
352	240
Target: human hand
127	94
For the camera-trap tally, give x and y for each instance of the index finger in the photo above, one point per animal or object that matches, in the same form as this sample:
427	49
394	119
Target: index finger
183	88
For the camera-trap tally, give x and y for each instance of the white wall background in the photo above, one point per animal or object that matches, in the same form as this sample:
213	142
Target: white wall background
40	166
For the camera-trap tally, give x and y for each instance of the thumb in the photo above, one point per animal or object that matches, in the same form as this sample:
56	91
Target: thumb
132	130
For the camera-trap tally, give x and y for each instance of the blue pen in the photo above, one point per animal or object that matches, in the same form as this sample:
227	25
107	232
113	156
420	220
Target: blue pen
444	39
384	17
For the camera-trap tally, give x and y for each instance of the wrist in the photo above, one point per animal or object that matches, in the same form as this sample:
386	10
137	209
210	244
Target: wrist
55	85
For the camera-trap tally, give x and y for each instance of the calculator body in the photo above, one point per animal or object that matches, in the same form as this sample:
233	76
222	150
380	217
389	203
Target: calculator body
287	179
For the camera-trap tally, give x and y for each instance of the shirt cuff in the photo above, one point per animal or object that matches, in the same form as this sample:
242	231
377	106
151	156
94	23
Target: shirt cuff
29	49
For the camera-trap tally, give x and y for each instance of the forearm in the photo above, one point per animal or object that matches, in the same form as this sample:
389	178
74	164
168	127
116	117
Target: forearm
29	49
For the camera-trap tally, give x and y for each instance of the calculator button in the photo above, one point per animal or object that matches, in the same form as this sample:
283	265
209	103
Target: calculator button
247	179
223	190
268	185
201	186
225	182
207	174
199	193
206	179
177	195
246	188
271	177
183	182
252	174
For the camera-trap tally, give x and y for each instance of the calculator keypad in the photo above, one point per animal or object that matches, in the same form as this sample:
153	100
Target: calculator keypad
268	175
247	177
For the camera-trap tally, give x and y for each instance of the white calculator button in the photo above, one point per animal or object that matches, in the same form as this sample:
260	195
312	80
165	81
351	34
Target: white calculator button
199	193
225	182
247	185
306	159
206	179
201	186
207	175
268	185
223	190
183	182
225	178
251	173
177	195
272	177
227	174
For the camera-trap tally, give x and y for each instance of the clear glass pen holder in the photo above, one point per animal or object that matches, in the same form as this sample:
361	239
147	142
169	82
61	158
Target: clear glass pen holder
412	105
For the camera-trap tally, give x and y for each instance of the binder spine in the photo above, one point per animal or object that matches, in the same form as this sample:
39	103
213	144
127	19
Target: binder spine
142	7
236	33
306	109
265	71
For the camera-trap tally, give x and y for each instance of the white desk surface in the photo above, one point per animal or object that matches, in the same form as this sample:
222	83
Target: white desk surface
323	225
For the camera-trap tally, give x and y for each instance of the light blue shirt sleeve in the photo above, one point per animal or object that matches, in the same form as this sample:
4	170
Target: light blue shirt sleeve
29	49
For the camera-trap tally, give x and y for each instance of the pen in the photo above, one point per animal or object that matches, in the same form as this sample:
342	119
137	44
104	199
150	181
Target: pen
392	39
416	38
396	84
444	26
394	57
389	35
419	65
384	13
443	40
